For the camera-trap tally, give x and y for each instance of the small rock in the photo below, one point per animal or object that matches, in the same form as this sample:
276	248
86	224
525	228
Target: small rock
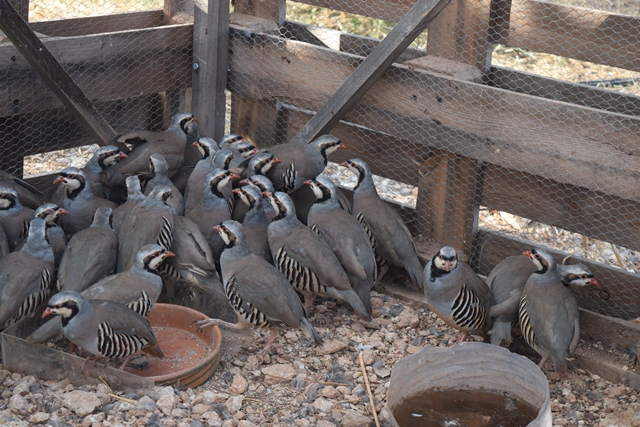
355	419
81	402
239	384
166	403
368	357
407	318
322	405
616	391
234	403
146	403
330	392
330	347
39	418
278	373
210	397
246	423
325	423
18	404
413	349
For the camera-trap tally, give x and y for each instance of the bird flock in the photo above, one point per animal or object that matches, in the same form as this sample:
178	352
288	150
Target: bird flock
263	230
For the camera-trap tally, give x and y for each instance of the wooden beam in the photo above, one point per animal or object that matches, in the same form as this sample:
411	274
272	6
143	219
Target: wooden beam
593	214
575	32
74	27
376	64
500	77
25	40
210	51
555	140
160	61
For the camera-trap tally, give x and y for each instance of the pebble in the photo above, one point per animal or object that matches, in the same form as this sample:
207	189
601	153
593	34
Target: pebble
260	391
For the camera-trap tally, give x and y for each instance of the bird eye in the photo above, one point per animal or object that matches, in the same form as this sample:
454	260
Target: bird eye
583	276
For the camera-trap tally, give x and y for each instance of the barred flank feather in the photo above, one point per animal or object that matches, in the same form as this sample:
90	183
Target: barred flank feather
165	238
116	344
142	306
289	178
34	300
467	312
381	262
302	278
525	323
244	308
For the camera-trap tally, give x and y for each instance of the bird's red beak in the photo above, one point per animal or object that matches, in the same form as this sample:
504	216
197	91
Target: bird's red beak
594	282
309	182
58	180
245	181
122	155
448	265
216	228
342	146
236	191
345	164
234	175
62	211
267	194
276	160
47	311
527	253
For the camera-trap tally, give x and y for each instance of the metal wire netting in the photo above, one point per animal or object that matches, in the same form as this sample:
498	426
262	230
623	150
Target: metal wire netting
550	158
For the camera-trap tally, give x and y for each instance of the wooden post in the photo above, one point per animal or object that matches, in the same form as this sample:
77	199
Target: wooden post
448	200
50	70
210	52
461	33
255	119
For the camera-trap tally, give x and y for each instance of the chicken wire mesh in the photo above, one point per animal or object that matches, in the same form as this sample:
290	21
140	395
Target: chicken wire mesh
457	156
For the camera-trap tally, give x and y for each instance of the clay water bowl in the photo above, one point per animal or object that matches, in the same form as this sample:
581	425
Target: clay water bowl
483	369
191	355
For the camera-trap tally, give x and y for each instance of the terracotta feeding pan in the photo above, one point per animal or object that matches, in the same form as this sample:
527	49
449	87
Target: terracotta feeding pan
191	355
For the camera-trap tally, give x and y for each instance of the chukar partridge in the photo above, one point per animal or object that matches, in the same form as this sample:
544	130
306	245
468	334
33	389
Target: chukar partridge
171	143
456	293
26	276
138	288
300	162
14	216
260	295
306	259
548	313
90	255
507	280
393	241
103	328
193	189
346	237
159	170
255	222
79	200
29	196
134	197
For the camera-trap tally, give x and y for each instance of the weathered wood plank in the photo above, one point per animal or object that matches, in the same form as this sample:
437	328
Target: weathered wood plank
575	32
162	67
615	298
50	70
98	24
370	70
271	10
505	78
596	215
556	140
546	87
210	51
585	34
389	10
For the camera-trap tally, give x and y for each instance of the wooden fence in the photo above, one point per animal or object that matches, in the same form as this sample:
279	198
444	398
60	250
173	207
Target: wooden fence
506	161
